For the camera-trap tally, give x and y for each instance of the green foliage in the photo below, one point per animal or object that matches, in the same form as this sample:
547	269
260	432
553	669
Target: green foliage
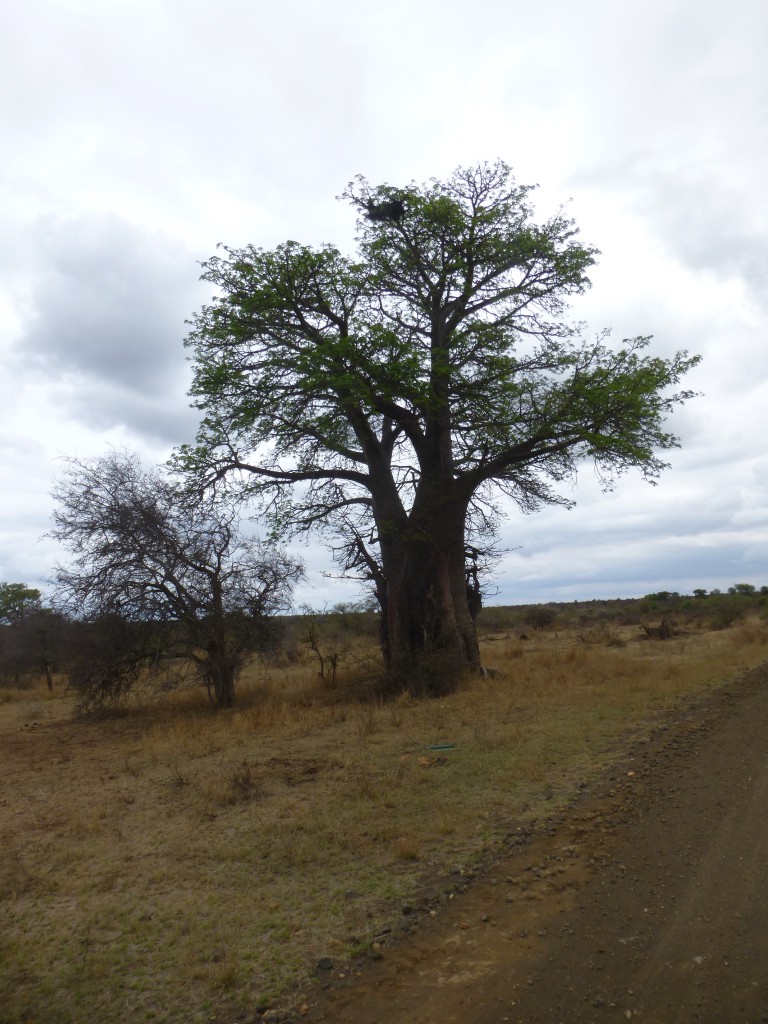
541	616
15	600
393	398
33	644
321	363
723	611
30	635
596	619
746	589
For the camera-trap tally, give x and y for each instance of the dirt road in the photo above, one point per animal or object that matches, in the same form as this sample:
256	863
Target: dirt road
647	902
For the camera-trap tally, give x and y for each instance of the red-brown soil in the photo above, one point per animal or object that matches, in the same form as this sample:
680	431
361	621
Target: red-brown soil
647	901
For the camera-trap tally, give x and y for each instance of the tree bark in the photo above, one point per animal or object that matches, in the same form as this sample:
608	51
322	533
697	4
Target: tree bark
219	675
220	668
429	640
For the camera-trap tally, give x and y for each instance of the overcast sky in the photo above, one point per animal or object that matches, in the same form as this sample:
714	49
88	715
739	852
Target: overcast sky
137	134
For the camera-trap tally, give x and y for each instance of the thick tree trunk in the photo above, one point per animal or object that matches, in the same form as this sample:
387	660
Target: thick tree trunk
220	671
225	687
219	676
429	639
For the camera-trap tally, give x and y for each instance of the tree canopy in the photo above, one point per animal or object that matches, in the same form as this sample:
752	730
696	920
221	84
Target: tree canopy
16	600
395	397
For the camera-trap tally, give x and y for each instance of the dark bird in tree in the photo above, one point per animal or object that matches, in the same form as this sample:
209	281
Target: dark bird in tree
393	210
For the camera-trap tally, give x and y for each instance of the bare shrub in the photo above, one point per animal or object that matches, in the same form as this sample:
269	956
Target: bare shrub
328	653
178	779
602	635
663	631
160	573
244	784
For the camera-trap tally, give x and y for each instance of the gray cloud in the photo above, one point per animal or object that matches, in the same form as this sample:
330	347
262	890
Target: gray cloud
164	417
104	325
108	303
694	530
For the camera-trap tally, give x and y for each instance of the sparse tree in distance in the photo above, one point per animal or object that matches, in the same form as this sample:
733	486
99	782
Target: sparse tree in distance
396	397
158	575
16	599
30	634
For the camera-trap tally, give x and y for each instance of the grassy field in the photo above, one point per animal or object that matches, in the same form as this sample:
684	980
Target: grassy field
169	863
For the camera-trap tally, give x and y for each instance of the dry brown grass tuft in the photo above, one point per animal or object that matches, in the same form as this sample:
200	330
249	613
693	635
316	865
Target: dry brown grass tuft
173	863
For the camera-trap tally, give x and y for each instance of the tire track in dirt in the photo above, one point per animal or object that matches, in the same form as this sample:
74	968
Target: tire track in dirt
647	902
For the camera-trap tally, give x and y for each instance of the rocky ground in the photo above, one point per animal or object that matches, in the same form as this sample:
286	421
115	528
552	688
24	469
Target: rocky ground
647	902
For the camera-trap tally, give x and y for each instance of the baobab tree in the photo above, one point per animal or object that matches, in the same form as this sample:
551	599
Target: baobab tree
396	397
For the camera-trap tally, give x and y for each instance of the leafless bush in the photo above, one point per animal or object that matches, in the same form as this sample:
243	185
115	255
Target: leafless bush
178	779
244	784
328	654
167	573
663	631
603	635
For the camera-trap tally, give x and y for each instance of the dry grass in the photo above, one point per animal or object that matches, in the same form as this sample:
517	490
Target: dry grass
173	864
